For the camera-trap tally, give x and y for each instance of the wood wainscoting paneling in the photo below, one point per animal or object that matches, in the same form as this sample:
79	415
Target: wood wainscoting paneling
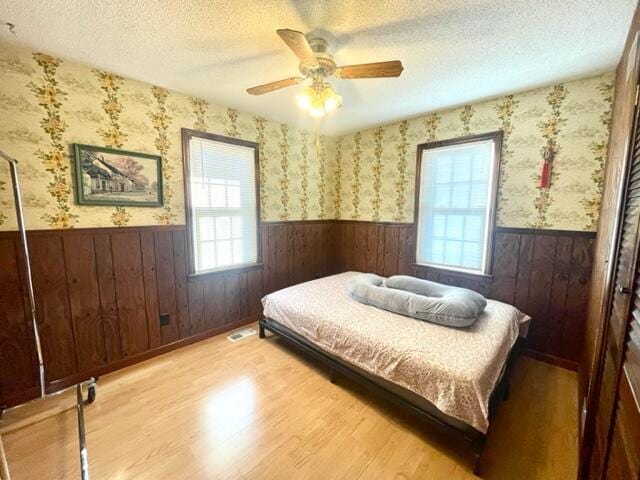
100	293
544	273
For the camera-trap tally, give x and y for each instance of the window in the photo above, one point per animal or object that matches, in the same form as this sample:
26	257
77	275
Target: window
456	183
222	201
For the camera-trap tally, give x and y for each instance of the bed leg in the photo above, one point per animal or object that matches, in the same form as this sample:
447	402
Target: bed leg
478	448
476	463
332	375
260	330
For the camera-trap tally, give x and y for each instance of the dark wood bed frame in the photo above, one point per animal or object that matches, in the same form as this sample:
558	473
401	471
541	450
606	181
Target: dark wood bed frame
475	438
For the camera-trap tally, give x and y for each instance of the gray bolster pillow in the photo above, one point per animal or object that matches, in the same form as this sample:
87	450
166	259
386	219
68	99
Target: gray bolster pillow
421	299
443	300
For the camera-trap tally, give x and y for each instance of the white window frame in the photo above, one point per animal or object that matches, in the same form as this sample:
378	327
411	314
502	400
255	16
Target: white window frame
187	135
494	177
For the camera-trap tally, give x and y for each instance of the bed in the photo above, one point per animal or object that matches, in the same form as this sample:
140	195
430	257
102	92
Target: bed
453	377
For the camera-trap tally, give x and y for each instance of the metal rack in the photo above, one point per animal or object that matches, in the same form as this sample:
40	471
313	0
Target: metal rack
91	383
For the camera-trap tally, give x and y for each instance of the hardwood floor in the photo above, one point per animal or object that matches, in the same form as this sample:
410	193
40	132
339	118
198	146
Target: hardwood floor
258	409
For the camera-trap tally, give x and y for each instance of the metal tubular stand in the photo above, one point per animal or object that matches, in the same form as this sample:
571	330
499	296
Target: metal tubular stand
4	468
13	166
84	463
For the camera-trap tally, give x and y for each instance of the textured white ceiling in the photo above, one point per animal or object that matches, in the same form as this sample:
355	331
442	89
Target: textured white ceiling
453	51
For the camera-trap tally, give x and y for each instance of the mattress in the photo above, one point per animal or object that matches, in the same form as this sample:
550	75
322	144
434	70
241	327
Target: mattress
454	369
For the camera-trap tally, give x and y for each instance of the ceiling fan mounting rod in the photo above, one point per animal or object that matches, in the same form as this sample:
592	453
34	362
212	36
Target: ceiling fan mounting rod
318	45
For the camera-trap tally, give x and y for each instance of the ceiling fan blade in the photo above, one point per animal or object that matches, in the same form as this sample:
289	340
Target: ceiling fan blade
270	87
297	42
370	70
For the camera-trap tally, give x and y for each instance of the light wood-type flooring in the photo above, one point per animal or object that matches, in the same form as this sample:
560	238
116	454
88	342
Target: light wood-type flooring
259	409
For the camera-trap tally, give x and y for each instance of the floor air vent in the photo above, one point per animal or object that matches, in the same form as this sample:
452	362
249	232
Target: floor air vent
240	334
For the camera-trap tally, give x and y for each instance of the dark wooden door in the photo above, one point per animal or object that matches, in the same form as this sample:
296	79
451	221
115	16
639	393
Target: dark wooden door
613	448
623	461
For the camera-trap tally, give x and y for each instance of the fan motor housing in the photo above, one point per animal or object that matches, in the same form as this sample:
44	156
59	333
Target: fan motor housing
327	64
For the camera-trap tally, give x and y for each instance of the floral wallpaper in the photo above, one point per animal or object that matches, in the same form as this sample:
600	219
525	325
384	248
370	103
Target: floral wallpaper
112	135
51	98
47	104
337	179
375	175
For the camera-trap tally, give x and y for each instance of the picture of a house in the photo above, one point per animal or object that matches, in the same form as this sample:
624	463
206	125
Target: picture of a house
118	177
105	177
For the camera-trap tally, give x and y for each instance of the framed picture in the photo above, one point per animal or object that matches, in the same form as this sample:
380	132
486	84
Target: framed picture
106	176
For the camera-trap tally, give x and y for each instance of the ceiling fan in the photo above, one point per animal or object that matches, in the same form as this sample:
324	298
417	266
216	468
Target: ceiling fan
318	64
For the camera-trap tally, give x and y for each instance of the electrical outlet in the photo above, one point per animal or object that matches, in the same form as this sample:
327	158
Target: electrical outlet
165	319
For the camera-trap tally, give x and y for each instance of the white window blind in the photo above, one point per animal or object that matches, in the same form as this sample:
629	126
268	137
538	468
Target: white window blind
223	204
455	205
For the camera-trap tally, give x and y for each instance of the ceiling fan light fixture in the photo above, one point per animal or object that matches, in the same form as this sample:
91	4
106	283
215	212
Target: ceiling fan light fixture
331	99
318	100
305	98
316	108
317	112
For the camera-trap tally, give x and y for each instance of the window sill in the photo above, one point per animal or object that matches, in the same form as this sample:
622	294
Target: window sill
452	271
194	277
